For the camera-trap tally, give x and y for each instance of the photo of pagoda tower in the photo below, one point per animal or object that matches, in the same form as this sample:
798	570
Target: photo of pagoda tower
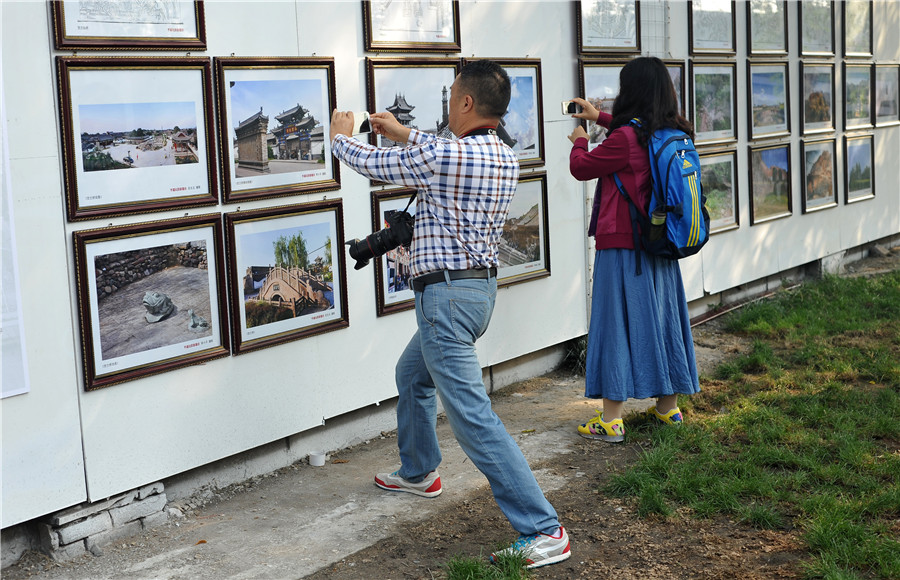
402	111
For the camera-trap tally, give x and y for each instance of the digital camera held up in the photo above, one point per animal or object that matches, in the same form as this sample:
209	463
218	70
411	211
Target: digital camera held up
398	232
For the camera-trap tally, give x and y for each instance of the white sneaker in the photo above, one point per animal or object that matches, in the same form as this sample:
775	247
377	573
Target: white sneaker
428	487
540	549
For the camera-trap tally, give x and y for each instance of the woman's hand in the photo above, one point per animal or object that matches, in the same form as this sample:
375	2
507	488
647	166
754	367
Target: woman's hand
578	133
588	111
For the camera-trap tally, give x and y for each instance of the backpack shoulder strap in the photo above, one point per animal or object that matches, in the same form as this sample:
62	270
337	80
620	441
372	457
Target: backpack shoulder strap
635	217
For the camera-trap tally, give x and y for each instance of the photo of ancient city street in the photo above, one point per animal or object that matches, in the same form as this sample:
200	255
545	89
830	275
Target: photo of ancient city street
137	135
417	96
393	24
524	246
287	273
277	127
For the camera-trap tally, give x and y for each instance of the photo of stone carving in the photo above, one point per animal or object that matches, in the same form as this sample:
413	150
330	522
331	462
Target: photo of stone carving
137	135
158	306
288	273
145	297
197	323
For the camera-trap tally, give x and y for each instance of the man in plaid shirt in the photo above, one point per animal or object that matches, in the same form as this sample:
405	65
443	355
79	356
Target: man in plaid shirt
464	190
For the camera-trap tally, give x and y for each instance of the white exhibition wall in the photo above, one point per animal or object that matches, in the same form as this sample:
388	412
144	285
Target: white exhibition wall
63	445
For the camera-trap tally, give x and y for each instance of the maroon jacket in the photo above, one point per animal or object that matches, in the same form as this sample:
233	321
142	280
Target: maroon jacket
619	153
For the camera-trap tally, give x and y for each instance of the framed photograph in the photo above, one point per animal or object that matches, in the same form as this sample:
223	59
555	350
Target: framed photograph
608	26
392	273
769	98
151	298
718	174
525	243
714	102
857	28
770	183
887	95
676	72
415	90
816	23
274	122
819	174
857	96
711	27
406	26
286	273
817	97
767	24
137	134
522	127
859	168
599	86
94	25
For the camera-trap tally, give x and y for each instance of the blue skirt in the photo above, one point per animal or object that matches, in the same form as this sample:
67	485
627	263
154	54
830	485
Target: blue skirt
639	339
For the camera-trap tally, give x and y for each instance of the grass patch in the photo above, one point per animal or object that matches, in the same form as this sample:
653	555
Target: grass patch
802	433
506	567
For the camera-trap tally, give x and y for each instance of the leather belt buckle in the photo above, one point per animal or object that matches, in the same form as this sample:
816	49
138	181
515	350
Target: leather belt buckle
419	282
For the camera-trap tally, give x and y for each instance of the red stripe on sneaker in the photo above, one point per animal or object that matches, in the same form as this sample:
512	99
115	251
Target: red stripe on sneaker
434	486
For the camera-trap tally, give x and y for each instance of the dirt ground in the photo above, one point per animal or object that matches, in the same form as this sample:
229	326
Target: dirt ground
608	538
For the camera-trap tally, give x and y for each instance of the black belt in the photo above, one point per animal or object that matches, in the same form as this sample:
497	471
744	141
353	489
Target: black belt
419	282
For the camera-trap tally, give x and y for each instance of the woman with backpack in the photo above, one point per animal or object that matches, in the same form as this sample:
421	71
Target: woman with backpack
639	338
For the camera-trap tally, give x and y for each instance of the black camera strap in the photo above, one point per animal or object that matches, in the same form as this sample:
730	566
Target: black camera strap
411	198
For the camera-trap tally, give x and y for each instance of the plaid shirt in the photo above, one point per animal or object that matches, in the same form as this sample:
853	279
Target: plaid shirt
464	190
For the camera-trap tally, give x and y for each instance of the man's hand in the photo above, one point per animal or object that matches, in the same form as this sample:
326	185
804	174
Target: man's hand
578	133
386	124
341	124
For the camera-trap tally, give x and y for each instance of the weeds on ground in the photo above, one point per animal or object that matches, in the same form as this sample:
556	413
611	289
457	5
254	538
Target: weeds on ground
801	433
505	567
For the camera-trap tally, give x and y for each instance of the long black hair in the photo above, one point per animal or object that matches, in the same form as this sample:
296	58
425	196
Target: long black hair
646	92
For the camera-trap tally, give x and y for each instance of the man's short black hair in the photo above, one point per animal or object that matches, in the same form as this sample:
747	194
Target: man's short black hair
488	85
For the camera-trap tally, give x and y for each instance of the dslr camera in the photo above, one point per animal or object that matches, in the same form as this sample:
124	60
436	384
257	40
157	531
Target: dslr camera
399	232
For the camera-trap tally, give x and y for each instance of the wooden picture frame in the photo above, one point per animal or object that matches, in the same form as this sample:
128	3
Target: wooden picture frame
151	298
770	183
711	27
599	80
816	27
816	97
393	292
767	28
676	70
714	102
274	119
858	28
858	96
116	110
887	95
819	175
174	25
411	26
400	85
719	176
522	127
859	168
286	273
524	247
768	90
608	26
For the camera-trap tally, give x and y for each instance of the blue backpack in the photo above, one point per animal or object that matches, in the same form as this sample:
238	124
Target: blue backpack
678	224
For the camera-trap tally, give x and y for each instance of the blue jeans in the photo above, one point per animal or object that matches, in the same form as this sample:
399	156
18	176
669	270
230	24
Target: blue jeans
441	359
